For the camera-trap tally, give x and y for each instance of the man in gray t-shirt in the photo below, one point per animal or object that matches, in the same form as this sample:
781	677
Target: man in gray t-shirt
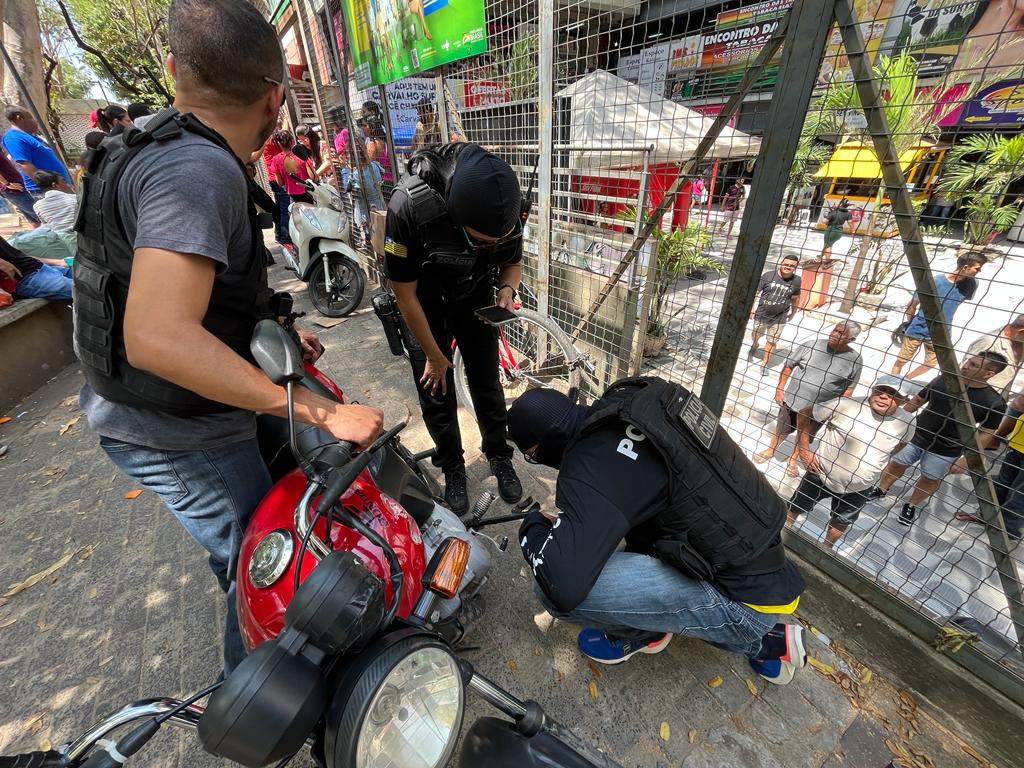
182	307
816	371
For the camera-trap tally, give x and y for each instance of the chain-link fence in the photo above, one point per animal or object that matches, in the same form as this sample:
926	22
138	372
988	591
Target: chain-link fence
803	220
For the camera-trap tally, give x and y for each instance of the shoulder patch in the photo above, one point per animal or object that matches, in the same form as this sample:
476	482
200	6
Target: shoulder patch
395	249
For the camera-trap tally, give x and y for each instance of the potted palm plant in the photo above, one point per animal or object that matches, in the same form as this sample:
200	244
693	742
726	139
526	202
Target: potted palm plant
681	252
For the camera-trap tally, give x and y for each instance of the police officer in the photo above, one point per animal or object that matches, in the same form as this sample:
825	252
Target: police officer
454	245
170	283
648	463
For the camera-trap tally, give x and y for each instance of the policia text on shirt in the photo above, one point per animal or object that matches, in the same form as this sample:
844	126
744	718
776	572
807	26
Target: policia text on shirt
454	232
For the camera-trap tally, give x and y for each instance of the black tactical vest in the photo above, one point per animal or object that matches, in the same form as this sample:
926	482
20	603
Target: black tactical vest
448	261
722	515
103	265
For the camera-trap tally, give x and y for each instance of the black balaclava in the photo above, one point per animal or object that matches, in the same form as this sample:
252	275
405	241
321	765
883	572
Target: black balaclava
483	193
545	418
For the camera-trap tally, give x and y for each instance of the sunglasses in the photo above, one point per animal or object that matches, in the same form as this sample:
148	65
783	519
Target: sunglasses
476	246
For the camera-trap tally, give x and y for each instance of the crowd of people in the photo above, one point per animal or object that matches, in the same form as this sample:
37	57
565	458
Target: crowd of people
35	182
853	450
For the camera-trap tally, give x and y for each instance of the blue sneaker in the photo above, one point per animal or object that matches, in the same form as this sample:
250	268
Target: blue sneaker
782	654
596	645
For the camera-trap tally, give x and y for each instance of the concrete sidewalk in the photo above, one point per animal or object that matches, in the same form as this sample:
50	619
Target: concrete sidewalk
134	612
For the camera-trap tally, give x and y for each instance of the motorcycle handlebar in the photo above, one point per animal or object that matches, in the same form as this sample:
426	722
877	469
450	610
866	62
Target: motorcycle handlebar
49	759
341	478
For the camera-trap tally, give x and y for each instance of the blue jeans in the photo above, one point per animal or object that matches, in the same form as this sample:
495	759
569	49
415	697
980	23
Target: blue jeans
636	592
283	204
23	201
213	493
45	283
1010	491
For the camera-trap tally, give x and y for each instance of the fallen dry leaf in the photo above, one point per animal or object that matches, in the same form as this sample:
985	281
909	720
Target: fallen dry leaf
866	675
592	687
70	402
665	732
69	425
821	666
559	675
594	669
907	699
511	664
973	753
708	746
46	745
4	419
691	736
35	724
41	626
31	581
86	552
92	680
51	471
751	687
134	494
7	623
715	681
91	594
104	662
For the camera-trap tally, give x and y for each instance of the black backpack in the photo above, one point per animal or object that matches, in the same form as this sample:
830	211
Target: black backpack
722	514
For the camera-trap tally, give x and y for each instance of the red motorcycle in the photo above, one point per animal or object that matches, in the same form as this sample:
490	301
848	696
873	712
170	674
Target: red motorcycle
354	586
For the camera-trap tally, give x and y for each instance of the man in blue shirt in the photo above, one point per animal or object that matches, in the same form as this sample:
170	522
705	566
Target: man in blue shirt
29	151
952	289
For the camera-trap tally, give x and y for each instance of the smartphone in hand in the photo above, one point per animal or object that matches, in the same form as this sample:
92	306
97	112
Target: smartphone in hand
495	315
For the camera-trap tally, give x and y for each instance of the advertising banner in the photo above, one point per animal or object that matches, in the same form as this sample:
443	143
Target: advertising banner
654	66
485	93
999	104
684	55
391	39
740	34
874	16
958	39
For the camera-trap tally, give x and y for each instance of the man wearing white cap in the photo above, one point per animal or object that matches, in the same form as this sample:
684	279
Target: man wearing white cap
853	446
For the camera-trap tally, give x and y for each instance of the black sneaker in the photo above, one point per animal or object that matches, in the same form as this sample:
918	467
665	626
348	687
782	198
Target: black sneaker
908	514
875	493
455	491
509	487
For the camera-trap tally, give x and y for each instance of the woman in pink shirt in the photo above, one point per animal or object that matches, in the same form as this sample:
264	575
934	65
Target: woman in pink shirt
290	170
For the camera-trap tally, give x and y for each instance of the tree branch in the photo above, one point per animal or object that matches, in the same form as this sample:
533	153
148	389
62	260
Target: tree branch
95	51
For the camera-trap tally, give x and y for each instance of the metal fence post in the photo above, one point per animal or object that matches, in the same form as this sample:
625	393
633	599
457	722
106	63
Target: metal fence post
804	46
545	144
917	257
441	106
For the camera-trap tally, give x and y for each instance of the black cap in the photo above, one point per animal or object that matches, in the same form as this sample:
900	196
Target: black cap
484	193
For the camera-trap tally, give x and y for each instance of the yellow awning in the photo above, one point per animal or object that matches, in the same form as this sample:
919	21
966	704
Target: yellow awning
858	161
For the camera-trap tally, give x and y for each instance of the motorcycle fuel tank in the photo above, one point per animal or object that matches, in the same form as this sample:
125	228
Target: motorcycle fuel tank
269	552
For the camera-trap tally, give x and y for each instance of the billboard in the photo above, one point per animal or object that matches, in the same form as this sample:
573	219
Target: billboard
1000	104
391	39
959	39
740	34
873	17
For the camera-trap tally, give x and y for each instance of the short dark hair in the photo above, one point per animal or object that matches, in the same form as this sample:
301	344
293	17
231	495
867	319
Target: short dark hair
371	106
970	258
994	361
283	139
93	139
137	110
46	179
789	257
14	112
225	48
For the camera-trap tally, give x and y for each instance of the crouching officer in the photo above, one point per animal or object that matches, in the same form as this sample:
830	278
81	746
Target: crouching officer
454	232
648	463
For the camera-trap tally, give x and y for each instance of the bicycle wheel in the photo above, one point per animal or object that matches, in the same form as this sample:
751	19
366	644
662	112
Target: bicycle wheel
533	351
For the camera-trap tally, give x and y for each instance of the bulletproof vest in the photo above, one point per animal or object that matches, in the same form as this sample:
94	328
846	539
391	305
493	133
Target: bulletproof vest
103	265
458	269
722	515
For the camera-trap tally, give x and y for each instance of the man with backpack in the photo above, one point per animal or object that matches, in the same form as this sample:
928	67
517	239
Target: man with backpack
170	282
835	220
648	463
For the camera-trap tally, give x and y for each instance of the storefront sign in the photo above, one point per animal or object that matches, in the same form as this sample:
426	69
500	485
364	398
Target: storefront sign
654	67
629	67
392	39
485	93
684	55
740	34
999	104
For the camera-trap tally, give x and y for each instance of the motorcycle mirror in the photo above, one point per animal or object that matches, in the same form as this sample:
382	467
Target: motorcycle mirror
275	353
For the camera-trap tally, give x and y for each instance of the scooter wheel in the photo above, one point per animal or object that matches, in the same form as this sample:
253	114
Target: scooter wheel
347	286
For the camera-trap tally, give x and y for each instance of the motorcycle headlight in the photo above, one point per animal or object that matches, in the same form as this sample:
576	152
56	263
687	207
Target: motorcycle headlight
270	558
335	202
400	706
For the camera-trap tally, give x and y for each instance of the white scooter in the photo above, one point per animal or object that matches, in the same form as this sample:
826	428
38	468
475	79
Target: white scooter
320	253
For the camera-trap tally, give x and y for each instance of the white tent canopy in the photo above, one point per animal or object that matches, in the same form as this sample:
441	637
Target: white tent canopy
613	120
